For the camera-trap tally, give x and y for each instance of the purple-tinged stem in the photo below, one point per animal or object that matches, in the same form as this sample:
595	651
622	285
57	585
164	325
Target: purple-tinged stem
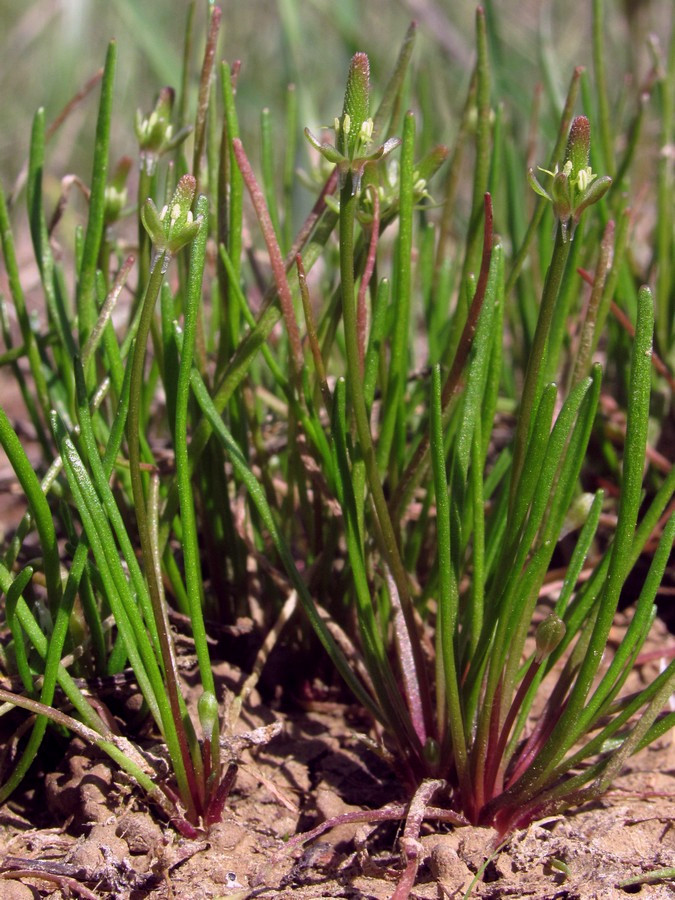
409	670
215	811
537	739
410	841
494	776
312	336
276	257
204	88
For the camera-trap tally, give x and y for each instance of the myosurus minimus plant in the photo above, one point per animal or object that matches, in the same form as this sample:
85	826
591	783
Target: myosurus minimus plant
404	443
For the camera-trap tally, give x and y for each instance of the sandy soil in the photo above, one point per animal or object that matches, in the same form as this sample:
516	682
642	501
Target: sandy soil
80	829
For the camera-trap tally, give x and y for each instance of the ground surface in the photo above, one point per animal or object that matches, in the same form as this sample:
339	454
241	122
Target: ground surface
81	830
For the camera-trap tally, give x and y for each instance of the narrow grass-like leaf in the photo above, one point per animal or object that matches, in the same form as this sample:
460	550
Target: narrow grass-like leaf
416	467
514	601
249	347
29	347
379	669
290	148
258	497
205	87
86	285
101	470
105	552
43	522
532	388
600	69
571	723
398	360
378	332
17	588
579	555
664	192
41	645
447	675
382	119
386	536
482	162
230	219
125	610
278	266
119	749
267	160
193	577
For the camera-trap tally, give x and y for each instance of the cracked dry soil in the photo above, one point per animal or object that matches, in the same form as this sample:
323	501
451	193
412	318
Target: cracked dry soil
80	829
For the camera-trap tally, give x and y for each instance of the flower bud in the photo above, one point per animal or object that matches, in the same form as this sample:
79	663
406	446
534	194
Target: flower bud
207	709
354	130
116	191
548	635
154	132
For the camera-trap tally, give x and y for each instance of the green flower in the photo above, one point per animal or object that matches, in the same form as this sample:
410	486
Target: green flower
174	227
354	129
388	186
116	191
155	132
575	186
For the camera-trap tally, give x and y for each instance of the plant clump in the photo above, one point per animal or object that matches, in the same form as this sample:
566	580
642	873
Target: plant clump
390	417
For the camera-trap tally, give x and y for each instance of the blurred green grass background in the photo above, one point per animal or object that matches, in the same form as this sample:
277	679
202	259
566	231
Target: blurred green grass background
51	47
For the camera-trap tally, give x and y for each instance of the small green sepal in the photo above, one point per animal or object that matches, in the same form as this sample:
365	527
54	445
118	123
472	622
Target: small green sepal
174	227
575	186
354	129
594	192
116	191
155	132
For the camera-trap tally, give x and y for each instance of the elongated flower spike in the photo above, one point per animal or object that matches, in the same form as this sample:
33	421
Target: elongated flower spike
575	186
356	107
174	227
354	129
